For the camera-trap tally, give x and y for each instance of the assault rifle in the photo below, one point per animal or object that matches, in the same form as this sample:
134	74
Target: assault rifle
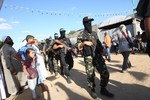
67	48
86	37
50	47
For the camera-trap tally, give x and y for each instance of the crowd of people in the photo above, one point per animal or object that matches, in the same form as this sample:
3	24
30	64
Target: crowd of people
29	65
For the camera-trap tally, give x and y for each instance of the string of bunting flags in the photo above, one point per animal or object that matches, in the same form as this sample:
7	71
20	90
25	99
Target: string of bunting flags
57	13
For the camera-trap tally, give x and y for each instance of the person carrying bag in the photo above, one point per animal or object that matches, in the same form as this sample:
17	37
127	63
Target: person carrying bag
131	45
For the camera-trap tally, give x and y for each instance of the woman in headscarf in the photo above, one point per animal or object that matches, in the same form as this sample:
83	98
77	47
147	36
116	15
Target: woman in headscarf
9	65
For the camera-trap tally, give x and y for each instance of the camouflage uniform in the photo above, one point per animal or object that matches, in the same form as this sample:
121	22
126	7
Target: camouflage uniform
53	66
94	59
66	58
56	57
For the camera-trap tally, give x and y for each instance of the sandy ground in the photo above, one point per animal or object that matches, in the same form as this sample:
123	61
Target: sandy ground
132	85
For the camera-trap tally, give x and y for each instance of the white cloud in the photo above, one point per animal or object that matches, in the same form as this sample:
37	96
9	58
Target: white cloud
5	26
2	20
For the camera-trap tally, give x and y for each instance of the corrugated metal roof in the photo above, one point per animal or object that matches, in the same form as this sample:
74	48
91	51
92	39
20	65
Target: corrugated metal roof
115	22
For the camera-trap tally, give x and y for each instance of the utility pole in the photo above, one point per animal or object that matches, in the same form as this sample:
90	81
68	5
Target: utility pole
134	19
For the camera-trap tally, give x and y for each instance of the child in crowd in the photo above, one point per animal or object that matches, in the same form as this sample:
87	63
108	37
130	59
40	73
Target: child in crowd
29	67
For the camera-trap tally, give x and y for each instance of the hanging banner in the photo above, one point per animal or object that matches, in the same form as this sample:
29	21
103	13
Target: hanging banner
133	3
56	13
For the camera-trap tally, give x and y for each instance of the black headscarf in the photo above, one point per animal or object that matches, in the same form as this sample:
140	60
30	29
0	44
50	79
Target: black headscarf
9	41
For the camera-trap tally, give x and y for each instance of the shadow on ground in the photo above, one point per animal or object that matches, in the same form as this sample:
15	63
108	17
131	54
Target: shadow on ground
71	95
125	91
26	95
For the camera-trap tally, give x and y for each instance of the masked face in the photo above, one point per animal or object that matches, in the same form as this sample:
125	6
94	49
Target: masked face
9	41
62	34
88	26
47	41
56	37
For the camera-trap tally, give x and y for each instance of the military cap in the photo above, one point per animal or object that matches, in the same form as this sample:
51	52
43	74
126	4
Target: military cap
87	19
55	34
62	30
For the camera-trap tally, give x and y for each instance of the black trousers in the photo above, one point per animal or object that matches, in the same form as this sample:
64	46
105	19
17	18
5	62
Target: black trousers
64	65
126	61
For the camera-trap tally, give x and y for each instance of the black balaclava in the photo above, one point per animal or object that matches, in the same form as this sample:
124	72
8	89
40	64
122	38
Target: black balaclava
87	22
47	41
56	36
88	26
62	33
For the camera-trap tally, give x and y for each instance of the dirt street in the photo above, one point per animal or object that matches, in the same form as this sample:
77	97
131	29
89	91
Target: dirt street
132	85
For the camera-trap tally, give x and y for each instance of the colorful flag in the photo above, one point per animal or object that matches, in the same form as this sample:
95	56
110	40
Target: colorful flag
133	2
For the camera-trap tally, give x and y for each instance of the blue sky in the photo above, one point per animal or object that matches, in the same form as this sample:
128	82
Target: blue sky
42	18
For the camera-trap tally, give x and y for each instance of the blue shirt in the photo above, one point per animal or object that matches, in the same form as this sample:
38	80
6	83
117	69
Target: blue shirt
22	51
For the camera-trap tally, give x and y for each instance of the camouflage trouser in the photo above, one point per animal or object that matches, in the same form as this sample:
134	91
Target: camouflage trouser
52	63
55	64
90	71
99	63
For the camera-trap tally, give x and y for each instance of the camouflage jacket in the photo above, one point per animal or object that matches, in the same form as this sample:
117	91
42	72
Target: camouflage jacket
90	50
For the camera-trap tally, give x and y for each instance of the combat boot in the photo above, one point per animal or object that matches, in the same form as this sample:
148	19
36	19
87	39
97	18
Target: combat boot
68	79
62	71
106	93
94	95
51	71
56	75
